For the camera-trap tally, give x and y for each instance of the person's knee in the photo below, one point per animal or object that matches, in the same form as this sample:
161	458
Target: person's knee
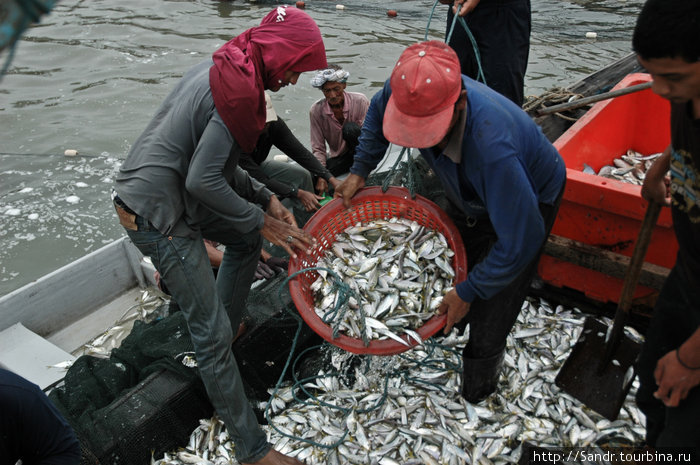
303	179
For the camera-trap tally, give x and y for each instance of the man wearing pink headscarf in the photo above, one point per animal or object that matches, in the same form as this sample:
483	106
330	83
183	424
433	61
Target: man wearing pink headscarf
181	183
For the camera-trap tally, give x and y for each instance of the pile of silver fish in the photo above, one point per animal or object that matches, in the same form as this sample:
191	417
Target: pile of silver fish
630	167
149	305
393	274
406	409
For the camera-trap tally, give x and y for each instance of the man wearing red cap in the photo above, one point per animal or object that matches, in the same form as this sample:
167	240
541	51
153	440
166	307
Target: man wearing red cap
503	178
181	183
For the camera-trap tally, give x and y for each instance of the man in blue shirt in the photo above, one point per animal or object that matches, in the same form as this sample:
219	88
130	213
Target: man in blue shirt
31	428
503	178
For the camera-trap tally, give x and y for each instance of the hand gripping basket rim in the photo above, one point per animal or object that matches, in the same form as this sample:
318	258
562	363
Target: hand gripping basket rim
370	203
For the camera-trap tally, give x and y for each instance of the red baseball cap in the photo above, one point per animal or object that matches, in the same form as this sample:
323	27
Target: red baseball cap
425	84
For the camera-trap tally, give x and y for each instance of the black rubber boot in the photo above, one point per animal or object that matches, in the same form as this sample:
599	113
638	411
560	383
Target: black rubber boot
480	376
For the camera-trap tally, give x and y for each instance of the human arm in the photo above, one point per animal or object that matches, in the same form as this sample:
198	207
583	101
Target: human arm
283	138
280	228
656	181
215	180
371	148
250	188
274	262
347	189
269	265
308	199
514	213
372	144
455	307
678	371
513	210
322	184
255	170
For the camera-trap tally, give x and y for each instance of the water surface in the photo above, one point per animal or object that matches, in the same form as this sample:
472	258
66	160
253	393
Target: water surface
91	74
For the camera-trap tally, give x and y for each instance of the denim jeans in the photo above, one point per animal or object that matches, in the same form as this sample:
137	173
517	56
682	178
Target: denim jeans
213	310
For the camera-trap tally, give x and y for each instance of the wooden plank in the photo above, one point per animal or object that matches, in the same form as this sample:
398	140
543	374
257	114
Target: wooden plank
603	261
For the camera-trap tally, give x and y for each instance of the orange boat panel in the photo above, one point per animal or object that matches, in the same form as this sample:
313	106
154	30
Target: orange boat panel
603	212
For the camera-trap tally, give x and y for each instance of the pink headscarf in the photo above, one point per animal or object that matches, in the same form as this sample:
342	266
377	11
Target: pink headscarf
286	40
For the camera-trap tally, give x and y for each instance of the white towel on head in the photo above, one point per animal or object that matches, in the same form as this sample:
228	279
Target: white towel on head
329	75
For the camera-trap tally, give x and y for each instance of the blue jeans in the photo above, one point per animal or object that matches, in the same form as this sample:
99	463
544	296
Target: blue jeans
212	309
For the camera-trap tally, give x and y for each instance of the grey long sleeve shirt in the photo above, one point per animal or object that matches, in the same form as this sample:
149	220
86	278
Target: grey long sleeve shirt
184	166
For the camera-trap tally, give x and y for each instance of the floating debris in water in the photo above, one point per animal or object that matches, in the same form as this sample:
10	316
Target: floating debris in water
406	409
392	274
630	167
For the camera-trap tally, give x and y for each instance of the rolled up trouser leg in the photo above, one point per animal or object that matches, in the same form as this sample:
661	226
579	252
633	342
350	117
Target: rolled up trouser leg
480	376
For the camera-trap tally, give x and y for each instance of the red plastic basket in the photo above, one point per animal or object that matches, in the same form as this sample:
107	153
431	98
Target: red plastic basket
368	204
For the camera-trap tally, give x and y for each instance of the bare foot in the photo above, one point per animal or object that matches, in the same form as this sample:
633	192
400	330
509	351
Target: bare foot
275	458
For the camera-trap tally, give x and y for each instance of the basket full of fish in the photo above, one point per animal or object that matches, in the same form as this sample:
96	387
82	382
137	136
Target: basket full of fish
376	277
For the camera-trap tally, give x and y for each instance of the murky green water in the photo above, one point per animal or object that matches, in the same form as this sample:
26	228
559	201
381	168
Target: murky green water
91	74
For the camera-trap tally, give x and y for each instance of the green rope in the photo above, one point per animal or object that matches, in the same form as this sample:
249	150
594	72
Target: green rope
437	363
480	75
430	18
335	315
394	169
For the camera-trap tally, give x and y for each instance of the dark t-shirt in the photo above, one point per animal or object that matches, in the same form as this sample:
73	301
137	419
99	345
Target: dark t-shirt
31	429
685	190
